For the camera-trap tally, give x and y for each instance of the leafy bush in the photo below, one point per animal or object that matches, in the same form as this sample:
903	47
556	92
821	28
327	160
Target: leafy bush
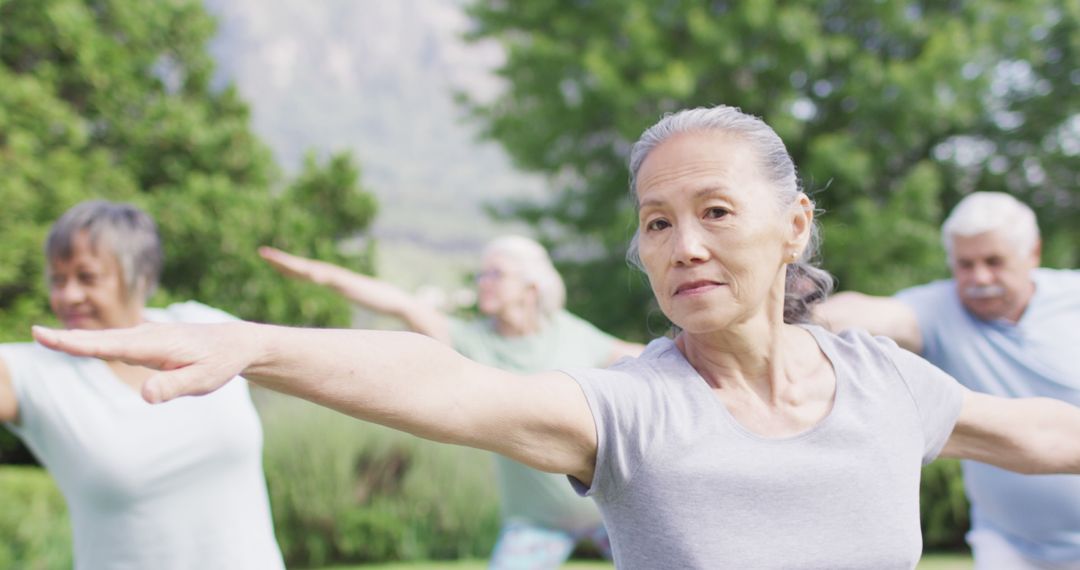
34	529
944	507
347	491
116	100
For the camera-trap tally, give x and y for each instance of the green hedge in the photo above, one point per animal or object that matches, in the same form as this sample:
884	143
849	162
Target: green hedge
347	491
34	529
944	507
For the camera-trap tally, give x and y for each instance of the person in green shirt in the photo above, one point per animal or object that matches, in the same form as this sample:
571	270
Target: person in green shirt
524	328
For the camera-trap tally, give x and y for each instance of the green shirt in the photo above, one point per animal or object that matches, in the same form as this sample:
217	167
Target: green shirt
565	341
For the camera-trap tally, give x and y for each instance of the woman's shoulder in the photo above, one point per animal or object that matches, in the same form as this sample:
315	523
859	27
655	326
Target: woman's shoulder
659	352
27	354
856	347
188	312
659	364
877	360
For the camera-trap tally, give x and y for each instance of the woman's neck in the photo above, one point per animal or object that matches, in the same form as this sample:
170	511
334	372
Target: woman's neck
762	357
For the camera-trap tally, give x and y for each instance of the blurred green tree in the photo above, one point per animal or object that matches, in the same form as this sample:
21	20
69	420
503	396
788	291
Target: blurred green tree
892	111
114	99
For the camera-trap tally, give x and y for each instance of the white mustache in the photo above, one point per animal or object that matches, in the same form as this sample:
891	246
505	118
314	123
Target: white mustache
984	291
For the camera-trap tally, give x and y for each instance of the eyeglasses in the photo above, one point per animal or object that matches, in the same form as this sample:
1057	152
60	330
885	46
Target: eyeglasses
489	274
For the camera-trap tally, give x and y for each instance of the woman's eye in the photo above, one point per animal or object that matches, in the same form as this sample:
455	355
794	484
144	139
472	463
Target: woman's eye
656	225
716	213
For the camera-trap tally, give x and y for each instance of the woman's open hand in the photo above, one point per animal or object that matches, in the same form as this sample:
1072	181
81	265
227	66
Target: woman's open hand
193	359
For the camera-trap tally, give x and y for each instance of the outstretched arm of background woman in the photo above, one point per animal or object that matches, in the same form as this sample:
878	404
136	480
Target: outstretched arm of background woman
398	379
1026	435
368	292
9	406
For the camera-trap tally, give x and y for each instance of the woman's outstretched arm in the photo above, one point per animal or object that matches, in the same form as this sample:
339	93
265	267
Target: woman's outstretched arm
368	292
1026	435
9	405
402	380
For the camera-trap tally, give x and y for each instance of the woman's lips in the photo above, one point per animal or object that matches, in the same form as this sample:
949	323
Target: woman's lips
71	320
696	287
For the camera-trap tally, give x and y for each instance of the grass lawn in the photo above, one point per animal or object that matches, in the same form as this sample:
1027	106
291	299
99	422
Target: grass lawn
929	562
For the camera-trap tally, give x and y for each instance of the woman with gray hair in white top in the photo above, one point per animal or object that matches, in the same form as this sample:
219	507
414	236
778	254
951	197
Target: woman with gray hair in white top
179	486
749	440
524	328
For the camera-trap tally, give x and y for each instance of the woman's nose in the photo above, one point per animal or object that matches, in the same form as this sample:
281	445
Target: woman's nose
689	246
70	291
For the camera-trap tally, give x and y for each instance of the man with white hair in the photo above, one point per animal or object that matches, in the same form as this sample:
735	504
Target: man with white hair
1004	326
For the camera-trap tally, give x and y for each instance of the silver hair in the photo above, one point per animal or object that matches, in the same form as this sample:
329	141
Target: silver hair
121	229
534	266
805	283
982	212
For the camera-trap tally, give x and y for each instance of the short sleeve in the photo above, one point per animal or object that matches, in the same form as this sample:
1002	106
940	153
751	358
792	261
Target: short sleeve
937	397
189	312
19	361
620	402
7	362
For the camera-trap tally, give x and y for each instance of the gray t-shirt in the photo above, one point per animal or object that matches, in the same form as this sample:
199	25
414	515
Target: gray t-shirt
682	485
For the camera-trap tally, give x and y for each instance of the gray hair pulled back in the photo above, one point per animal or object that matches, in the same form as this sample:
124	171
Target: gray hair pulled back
806	284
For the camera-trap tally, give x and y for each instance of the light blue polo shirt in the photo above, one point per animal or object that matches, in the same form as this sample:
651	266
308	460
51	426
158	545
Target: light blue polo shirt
1035	357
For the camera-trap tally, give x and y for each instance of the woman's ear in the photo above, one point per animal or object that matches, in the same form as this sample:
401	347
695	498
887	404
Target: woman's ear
801	217
532	290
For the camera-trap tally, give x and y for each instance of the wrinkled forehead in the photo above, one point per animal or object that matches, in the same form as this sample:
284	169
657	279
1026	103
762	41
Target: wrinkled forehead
695	160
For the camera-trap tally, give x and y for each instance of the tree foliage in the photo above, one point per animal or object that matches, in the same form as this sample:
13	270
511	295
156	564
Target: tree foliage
892	111
116	99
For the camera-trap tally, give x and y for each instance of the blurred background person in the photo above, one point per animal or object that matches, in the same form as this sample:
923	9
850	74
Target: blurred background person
524	328
179	486
1004	326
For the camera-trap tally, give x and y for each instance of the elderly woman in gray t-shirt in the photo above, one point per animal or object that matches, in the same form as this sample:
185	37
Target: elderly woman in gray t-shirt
747	440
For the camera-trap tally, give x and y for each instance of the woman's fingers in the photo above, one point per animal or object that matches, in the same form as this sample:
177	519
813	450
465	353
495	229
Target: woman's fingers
108	345
190	357
284	262
275	257
269	253
194	380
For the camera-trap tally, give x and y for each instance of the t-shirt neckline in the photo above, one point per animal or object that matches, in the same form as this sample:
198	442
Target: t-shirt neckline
839	394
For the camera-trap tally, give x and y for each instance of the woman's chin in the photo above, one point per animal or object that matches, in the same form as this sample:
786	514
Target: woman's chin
703	323
82	325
